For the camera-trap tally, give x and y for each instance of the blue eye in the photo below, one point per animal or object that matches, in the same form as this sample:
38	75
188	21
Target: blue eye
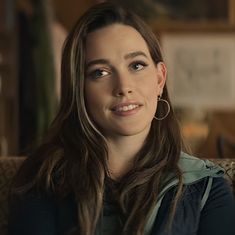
136	66
98	73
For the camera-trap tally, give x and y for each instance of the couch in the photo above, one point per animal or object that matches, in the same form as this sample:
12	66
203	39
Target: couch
9	166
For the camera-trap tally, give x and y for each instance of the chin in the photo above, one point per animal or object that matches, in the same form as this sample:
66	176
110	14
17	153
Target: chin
133	131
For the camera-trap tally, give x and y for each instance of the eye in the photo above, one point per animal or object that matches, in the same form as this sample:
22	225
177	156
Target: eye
138	65
98	73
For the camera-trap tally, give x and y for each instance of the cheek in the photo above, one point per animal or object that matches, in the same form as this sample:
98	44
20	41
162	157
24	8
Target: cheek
152	83
93	99
151	92
151	89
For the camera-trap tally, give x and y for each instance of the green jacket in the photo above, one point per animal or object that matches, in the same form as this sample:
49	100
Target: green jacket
193	170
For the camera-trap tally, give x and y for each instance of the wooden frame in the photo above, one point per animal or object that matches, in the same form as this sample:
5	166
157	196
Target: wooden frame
210	15
170	15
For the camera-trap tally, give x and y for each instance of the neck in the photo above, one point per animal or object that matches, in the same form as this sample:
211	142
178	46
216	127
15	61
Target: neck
122	152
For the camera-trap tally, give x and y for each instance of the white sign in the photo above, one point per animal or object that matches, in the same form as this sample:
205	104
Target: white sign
201	69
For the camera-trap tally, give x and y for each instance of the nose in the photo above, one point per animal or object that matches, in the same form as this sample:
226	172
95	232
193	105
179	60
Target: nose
123	85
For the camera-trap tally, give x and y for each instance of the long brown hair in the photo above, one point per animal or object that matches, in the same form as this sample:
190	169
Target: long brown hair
73	156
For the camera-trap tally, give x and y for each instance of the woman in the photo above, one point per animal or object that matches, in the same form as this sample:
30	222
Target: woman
112	160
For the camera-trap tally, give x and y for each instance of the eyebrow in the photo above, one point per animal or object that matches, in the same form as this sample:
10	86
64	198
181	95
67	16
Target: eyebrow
98	61
134	54
104	61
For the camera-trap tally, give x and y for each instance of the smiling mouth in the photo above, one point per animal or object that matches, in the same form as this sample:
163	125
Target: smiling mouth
126	108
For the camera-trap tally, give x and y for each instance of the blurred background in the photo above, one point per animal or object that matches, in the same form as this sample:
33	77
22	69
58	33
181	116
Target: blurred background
198	42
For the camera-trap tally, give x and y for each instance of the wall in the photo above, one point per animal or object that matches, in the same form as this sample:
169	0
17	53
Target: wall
69	11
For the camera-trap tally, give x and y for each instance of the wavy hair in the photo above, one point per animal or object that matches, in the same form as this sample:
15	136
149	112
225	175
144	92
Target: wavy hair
73	156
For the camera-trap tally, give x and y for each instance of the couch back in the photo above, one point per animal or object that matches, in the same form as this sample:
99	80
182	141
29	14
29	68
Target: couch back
9	166
229	167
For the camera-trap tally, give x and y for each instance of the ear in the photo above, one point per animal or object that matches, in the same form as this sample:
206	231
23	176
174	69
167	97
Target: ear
161	76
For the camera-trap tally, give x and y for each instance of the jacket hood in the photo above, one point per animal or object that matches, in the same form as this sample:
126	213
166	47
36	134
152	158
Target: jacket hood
194	169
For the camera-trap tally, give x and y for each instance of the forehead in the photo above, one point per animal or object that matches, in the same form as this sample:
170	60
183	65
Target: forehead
116	38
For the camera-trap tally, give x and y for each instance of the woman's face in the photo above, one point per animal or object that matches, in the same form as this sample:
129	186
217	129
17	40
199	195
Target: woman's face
122	82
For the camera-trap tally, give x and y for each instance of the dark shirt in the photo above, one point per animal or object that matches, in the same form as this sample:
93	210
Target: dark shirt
43	215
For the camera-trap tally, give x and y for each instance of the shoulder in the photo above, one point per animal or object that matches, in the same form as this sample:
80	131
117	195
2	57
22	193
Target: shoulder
32	200
41	212
217	216
220	194
194	169
32	211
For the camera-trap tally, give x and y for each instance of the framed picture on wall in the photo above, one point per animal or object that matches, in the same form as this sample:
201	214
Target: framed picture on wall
200	69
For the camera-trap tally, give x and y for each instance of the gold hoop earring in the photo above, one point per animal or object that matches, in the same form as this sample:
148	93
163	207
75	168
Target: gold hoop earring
168	109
